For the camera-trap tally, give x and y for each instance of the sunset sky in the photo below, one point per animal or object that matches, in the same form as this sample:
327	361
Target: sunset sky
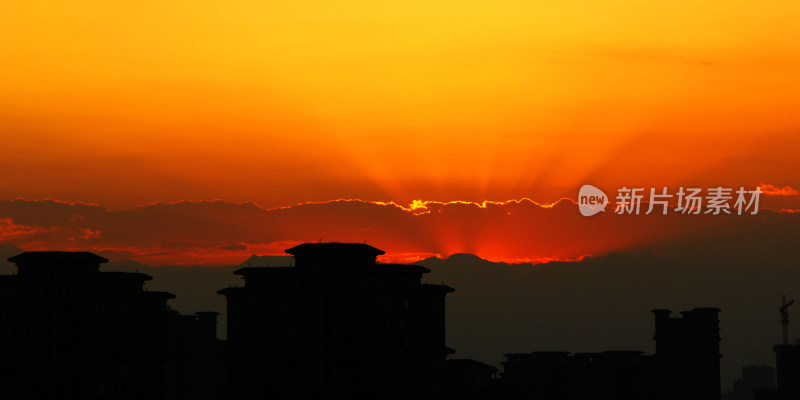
270	104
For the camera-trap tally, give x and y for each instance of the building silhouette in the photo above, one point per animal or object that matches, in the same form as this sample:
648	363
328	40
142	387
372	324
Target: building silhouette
755	379
787	372
787	363
561	375
687	358
686	365
71	331
468	379
337	323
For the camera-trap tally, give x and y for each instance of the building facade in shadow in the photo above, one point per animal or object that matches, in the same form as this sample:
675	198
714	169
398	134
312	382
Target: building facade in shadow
337	323
71	331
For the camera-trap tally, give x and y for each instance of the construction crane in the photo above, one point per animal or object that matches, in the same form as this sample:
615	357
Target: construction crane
785	319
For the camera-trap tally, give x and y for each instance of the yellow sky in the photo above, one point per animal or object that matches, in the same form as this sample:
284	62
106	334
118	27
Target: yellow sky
280	102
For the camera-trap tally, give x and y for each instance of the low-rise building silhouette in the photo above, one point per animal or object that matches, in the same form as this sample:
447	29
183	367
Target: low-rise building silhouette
755	379
561	375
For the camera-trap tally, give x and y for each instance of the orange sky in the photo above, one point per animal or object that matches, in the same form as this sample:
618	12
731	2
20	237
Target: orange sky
147	110
124	104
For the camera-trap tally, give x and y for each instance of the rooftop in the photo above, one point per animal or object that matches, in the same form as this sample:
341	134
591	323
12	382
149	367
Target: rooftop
57	257
334	248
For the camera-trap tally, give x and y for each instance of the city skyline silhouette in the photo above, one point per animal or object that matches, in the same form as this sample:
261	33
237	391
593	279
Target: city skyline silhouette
207	366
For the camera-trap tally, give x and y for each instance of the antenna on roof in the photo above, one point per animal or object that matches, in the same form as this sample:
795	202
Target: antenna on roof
785	319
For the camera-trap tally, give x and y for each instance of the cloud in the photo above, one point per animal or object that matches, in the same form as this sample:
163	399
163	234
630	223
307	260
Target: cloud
771	190
87	233
221	233
11	231
234	247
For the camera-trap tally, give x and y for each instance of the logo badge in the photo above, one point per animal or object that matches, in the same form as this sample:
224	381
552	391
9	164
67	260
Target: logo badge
591	200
